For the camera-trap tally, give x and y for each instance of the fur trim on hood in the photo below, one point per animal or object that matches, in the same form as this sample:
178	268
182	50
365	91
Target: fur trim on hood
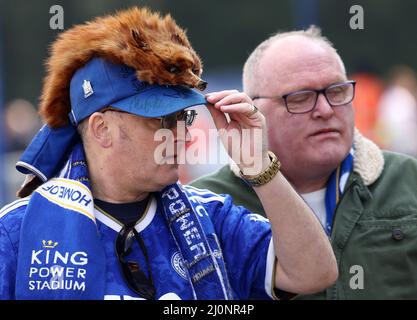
153	45
368	160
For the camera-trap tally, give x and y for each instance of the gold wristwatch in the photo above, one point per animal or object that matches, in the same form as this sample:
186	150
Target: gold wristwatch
265	176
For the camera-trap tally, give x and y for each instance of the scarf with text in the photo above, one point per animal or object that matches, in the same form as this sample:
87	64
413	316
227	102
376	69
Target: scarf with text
335	188
60	253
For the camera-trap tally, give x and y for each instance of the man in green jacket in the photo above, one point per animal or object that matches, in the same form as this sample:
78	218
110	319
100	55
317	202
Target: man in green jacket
365	199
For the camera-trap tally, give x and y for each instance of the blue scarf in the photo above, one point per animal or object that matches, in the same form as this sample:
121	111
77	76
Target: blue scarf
199	245
60	253
335	188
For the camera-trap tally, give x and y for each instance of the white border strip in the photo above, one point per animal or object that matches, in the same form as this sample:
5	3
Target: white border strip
12	206
148	216
270	268
107	221
32	169
206	200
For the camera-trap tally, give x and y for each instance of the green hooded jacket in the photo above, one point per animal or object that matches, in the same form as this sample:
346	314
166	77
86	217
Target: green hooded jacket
374	234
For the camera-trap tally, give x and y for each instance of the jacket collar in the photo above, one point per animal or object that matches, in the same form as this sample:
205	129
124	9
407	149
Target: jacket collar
368	159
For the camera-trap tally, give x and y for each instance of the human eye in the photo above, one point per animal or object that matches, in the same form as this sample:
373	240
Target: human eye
300	97
339	93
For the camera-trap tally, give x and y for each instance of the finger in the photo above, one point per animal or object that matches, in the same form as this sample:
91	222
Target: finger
252	113
214	97
242	108
234	98
219	118
244	112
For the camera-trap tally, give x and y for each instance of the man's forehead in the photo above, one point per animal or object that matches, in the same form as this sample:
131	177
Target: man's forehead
296	62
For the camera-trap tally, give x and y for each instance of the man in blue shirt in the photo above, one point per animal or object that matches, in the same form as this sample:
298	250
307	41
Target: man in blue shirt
111	221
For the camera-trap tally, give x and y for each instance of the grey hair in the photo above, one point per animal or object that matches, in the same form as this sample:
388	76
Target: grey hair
82	131
82	128
251	77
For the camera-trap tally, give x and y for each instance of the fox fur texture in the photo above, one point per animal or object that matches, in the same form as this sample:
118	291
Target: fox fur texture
153	45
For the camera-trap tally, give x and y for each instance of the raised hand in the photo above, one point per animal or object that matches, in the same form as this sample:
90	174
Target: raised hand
242	129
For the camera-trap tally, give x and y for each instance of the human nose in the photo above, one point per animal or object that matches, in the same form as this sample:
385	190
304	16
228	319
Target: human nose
323	109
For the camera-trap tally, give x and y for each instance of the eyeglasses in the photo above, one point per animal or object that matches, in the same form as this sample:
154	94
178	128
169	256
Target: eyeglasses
134	276
169	121
304	101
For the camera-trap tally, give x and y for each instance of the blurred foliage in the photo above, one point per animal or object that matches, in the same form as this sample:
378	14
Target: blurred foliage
222	32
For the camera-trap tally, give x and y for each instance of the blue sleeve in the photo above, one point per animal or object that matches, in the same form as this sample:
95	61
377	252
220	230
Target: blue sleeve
8	263
10	222
246	241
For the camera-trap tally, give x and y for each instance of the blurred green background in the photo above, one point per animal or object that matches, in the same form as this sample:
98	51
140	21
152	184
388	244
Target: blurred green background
222	32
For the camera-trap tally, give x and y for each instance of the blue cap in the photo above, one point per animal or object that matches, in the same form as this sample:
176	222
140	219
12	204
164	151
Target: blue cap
97	85
100	83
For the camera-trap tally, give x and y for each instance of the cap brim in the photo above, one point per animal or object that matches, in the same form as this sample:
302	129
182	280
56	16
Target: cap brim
158	101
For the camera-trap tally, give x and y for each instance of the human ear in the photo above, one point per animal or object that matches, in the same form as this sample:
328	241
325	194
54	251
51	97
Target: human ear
99	128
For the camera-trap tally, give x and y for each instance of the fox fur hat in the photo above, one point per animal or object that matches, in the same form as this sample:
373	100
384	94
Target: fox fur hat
156	47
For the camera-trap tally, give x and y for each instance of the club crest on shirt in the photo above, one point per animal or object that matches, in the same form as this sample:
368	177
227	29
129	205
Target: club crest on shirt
178	265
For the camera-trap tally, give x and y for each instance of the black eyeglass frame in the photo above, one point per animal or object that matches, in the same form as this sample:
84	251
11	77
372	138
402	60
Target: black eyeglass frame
317	92
134	276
